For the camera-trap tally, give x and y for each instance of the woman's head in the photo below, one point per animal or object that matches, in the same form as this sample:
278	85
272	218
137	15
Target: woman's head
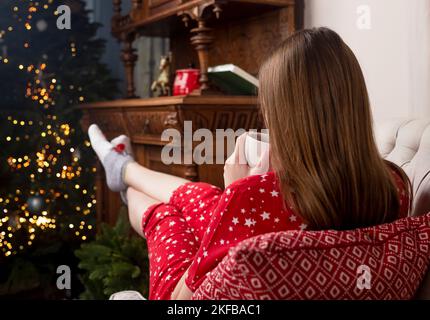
314	101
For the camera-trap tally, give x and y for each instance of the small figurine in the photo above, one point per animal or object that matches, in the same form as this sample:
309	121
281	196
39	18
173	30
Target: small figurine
163	81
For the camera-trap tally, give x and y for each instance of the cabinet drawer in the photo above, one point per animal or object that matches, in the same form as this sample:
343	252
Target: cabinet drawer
151	124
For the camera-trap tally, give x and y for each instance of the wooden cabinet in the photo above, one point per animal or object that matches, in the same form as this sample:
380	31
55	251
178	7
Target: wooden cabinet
203	32
144	121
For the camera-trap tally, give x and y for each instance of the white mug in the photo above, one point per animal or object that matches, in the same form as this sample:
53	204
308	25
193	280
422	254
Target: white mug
256	145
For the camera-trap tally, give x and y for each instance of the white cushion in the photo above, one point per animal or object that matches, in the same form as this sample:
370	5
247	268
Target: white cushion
406	142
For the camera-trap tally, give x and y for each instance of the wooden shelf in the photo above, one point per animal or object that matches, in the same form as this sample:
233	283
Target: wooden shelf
174	101
165	23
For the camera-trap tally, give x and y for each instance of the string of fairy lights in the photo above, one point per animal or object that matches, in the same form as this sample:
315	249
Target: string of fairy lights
31	212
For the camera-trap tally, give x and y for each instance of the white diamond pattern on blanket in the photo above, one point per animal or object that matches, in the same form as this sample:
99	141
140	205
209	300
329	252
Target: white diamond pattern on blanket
321	279
351	265
297	279
328	266
397	254
408	254
388	273
423	247
283	264
306	265
310	293
335	253
258	259
283	291
271	276
256	283
357	252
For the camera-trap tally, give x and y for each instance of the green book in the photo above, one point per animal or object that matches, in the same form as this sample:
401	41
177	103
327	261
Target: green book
233	80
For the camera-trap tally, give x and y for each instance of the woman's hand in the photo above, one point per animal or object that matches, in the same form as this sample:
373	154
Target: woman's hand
236	166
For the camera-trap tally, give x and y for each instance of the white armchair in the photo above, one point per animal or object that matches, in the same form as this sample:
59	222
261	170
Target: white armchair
406	142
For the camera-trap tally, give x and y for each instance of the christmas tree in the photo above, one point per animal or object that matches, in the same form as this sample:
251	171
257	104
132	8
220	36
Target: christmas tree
47	194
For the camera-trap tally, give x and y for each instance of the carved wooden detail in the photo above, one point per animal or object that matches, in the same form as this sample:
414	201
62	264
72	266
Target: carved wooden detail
202	38
171	120
129	58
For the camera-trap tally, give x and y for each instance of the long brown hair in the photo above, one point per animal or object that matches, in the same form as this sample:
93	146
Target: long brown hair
315	103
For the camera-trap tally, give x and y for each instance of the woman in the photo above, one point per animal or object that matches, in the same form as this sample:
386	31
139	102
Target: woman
326	170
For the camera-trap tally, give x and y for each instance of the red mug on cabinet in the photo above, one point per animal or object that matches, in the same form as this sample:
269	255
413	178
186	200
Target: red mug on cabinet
186	81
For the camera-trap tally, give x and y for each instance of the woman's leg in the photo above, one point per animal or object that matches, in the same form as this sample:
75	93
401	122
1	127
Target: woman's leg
171	244
155	184
138	204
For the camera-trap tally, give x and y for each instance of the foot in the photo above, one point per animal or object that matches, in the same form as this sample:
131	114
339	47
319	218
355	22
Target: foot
113	158
123	144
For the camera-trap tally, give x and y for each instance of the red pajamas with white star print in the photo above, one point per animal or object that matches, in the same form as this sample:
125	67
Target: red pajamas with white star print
201	223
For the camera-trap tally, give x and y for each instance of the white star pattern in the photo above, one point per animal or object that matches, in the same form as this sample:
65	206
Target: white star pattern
250	222
277	220
293	218
235	221
274	193
265	216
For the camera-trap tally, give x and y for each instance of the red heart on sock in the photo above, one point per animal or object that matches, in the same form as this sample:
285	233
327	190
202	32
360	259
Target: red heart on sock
120	148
